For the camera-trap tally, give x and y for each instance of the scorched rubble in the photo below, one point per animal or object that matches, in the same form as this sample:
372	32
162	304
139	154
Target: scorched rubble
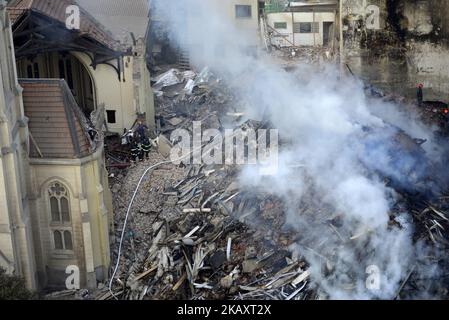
195	234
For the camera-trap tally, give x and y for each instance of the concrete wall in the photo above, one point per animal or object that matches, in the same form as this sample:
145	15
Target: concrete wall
298	39
209	50
247	25
409	47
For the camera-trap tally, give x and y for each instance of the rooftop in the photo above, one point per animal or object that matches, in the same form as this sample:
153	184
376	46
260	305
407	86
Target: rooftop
58	128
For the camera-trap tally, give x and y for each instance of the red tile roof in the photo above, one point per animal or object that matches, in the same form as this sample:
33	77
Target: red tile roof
55	125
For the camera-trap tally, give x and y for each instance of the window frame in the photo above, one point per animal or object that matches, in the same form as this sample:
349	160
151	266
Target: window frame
62	226
111	116
314	27
241	6
276	25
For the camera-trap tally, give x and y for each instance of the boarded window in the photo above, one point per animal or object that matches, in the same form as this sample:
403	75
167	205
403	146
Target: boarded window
280	25
242	11
306	27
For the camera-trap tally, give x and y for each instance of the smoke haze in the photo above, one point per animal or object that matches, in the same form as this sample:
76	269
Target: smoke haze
343	141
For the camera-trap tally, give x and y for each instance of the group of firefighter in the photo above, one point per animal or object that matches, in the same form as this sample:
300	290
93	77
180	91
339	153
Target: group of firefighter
139	143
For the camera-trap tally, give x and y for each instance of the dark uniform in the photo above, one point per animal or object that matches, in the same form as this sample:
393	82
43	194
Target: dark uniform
134	150
139	146
141	130
419	95
145	147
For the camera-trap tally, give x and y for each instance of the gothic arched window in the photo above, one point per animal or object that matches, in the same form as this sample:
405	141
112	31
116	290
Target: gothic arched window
60	224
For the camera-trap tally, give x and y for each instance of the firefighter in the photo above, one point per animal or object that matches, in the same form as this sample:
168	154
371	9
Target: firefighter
141	129
140	148
134	150
419	94
146	147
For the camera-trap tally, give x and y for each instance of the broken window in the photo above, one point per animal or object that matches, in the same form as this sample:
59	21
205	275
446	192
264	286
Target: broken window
242	11
280	25
110	114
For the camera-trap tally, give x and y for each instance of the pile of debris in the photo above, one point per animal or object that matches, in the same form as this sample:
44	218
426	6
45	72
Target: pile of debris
195	233
183	97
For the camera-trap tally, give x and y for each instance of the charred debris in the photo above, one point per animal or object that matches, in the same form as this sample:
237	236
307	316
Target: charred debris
193	233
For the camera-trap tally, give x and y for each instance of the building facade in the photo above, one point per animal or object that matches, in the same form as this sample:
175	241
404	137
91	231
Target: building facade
396	45
303	24
55	203
103	69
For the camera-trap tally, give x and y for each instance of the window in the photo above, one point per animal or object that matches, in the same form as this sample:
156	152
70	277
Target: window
242	11
33	70
280	25
65	70
36	70
63	240
110	114
60	225
59	204
306	27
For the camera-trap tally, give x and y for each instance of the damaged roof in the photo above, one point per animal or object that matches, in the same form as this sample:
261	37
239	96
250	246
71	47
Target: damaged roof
57	11
57	126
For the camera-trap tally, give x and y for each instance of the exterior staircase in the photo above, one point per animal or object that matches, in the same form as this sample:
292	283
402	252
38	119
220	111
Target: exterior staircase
184	60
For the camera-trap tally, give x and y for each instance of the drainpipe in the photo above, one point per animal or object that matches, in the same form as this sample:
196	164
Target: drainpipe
340	14
293	29
313	24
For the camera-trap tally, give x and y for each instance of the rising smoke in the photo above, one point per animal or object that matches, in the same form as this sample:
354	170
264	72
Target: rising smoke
341	139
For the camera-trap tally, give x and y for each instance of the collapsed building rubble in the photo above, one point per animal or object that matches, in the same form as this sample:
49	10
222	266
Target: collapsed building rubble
195	233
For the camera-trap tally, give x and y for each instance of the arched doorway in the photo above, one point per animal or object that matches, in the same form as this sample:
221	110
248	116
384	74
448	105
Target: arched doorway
62	65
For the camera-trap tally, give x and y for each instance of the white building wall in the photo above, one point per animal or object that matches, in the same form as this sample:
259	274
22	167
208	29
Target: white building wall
286	37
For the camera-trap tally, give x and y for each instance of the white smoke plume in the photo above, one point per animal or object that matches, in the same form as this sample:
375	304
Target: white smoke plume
339	137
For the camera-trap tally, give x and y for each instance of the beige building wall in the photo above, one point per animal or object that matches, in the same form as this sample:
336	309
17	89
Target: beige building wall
120	96
203	45
90	212
298	39
248	25
27	245
128	97
16	245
